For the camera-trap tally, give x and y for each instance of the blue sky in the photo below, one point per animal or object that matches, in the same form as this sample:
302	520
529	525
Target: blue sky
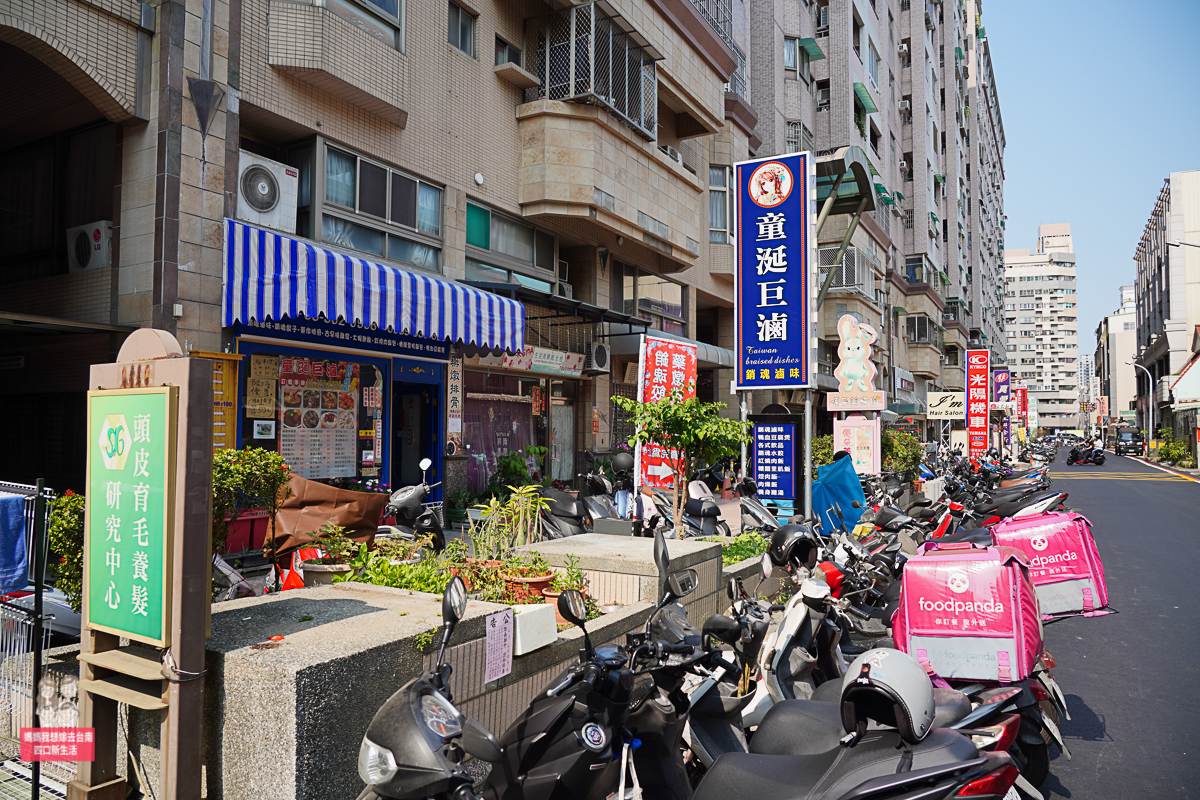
1100	101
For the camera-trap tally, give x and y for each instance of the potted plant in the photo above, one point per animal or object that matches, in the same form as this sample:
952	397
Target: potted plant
400	551
571	577
336	562
525	577
457	504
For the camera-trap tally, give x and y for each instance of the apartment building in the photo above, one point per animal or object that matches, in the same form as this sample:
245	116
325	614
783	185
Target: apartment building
269	179
898	80
1166	292
1116	344
1041	325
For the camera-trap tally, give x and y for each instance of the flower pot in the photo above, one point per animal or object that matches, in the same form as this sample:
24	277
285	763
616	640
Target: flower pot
322	574
526	590
552	599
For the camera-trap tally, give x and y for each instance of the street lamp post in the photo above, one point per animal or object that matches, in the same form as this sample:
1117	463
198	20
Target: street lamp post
1150	378
1182	244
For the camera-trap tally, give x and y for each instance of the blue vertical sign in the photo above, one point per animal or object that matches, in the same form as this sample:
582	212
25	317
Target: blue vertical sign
775	281
774	461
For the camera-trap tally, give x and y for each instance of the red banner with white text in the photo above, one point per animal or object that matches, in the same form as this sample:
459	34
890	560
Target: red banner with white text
666	366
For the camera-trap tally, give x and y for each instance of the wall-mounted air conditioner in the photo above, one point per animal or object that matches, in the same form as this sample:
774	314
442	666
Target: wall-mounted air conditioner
903	165
598	360
902	48
904	105
89	246
267	192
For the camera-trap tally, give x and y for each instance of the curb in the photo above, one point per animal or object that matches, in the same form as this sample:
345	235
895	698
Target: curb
1168	470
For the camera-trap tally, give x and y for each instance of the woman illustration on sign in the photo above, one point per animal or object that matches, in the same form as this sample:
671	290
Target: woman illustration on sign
770	184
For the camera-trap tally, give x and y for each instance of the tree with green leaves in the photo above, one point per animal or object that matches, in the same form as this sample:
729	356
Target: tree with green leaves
690	430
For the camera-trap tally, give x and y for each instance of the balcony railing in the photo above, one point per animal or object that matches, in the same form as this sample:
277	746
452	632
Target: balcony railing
856	273
581	54
719	15
924	276
737	81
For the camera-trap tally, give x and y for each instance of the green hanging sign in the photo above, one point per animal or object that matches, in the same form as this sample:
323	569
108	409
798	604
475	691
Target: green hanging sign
130	506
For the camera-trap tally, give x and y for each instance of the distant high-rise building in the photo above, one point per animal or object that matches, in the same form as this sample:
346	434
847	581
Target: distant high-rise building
1116	344
1040	318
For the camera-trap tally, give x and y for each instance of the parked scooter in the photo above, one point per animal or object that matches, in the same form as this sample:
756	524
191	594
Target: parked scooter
755	515
413	520
563	515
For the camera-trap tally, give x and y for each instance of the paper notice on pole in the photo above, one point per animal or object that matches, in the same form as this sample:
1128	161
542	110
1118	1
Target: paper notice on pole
499	645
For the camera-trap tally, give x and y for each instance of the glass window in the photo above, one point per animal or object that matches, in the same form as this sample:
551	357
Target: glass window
344	233
506	53
340	178
479	226
461	29
718	203
410	252
477	271
372	189
789	53
369	17
512	238
429	210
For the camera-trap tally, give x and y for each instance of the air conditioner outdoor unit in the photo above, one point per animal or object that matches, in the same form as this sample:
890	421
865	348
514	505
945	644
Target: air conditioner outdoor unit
89	246
267	192
598	361
904	105
671	153
901	48
903	165
566	290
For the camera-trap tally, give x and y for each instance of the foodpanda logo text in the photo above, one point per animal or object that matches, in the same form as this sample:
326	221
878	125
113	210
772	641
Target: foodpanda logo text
1059	558
961	606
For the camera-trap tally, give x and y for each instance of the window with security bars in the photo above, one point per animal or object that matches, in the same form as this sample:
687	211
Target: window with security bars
622	420
799	137
582	54
921	330
909	215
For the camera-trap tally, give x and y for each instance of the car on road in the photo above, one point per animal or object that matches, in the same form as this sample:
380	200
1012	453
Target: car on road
1126	442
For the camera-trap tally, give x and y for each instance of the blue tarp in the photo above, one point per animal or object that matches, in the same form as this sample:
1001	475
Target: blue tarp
838	483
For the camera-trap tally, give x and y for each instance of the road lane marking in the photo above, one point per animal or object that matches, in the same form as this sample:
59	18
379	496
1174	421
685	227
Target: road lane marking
1164	469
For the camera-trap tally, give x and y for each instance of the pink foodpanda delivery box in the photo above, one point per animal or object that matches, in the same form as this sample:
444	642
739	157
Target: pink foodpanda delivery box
969	613
1063	560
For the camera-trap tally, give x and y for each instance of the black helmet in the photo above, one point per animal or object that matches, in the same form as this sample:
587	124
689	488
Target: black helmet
622	462
794	542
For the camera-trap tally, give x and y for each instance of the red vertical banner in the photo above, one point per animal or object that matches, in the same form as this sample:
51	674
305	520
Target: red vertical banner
666	366
979	380
1021	395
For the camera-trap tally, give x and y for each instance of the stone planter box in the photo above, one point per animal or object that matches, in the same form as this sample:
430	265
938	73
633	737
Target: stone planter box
323	574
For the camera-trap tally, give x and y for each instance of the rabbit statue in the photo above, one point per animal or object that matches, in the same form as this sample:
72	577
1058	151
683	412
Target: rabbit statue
855	372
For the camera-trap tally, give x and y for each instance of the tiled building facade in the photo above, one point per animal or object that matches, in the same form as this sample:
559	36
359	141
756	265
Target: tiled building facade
911	85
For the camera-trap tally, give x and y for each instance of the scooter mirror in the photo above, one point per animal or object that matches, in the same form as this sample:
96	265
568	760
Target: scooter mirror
722	628
661	559
855	504
766	566
731	588
683	582
570	605
589	458
481	743
454	601
425	464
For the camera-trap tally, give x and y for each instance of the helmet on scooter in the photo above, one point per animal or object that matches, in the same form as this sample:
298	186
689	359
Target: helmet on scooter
622	462
794	542
888	687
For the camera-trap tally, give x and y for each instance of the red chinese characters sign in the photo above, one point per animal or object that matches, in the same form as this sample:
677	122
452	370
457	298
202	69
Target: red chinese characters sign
979	380
667	366
1021	395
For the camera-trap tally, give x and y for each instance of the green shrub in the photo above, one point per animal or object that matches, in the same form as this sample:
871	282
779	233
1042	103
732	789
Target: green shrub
65	568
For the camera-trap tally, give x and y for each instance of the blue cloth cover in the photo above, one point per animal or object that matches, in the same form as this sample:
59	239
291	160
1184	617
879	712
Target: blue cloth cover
838	483
14	565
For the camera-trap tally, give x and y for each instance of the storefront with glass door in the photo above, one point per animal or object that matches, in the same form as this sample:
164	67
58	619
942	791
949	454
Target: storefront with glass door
345	361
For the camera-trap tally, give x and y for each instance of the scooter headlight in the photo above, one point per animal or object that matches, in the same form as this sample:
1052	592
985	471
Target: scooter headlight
376	764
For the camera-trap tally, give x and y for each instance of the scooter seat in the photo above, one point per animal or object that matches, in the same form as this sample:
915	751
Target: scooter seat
800	727
950	705
701	508
924	513
827	775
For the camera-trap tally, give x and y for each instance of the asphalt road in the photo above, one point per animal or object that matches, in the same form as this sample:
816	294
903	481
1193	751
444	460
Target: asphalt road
1132	679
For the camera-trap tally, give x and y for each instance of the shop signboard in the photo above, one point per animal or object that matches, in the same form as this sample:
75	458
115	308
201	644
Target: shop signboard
666	367
539	359
775	461
1001	385
859	437
855	370
978	379
454	404
130	497
1021	395
318	331
776	273
947	405
1007	431
320	415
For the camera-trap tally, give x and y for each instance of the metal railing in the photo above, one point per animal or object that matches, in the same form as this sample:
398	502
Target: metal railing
737	81
719	15
581	54
856	273
924	276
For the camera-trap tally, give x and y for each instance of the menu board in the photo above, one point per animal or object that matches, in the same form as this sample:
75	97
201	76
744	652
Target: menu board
319	416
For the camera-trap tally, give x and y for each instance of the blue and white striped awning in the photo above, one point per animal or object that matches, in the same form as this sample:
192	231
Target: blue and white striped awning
270	275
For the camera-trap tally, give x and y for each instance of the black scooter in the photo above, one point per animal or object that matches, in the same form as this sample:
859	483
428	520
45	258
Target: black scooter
1085	456
414	521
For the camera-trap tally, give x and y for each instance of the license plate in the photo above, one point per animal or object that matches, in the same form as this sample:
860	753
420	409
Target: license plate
1012	794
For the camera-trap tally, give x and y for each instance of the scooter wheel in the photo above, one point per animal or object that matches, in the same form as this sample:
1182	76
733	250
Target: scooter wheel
1035	762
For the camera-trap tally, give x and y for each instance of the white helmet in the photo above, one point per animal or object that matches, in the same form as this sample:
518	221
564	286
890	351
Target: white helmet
888	687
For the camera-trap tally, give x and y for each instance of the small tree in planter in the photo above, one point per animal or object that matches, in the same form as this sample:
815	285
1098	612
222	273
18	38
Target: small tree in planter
687	429
66	543
254	478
